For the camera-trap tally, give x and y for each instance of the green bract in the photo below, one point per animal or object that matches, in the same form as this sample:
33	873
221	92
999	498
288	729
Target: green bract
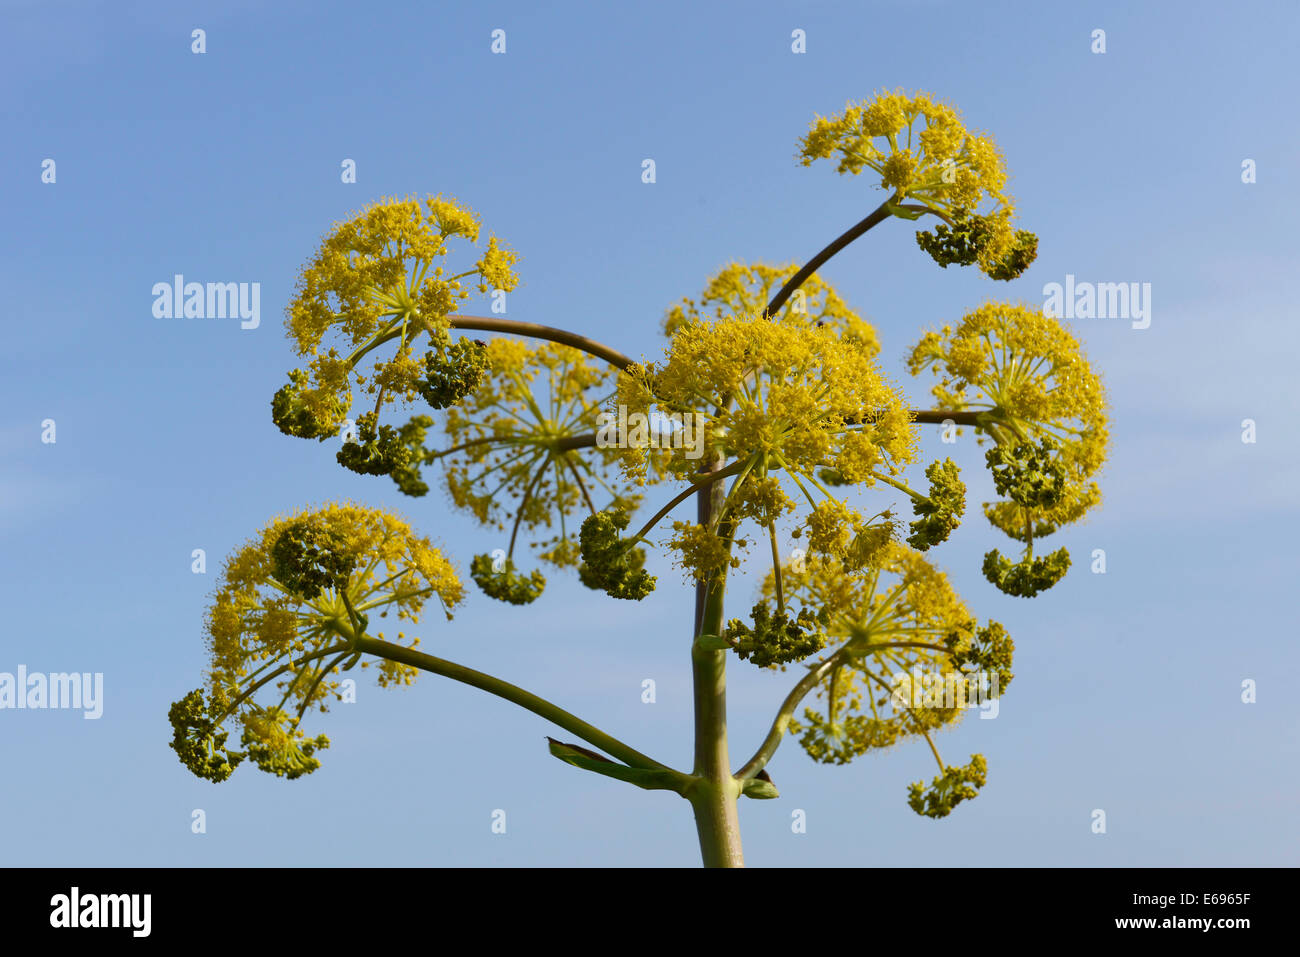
833	477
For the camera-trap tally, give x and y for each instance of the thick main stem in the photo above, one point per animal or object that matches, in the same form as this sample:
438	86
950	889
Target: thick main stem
714	794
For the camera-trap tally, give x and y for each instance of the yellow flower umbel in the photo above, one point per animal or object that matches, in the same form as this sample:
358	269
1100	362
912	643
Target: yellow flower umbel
379	277
778	402
1028	375
908	660
911	142
923	152
742	289
512	456
1044	407
287	612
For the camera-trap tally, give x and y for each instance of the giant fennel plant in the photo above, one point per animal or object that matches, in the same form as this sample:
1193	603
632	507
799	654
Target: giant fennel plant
557	438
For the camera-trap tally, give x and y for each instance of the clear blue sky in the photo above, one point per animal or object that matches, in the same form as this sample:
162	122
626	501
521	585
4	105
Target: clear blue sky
225	166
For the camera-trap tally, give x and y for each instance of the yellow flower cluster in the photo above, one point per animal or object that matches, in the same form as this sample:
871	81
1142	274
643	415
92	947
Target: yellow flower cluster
264	635
1029	374
702	552
920	148
741	289
922	152
780	392
376	277
893	617
778	401
507	455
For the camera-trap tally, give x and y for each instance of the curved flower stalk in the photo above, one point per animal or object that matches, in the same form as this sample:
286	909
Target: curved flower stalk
1026	376
922	152
381	277
289	611
518	457
907	660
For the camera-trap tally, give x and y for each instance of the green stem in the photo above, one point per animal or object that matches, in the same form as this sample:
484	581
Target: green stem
509	326
898	485
776	568
921	416
783	716
535	331
713	792
881	213
503	689
523	503
698	483
672	504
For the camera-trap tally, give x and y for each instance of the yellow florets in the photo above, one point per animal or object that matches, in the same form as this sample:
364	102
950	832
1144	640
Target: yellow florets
269	630
745	290
378	277
703	553
774	402
903	599
1029	374
919	147
508	461
495	268
776	392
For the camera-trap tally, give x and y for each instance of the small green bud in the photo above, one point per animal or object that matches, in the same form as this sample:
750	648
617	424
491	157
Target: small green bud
197	742
954	785
775	638
610	564
293	417
307	559
507	584
1029	576
941	510
452	371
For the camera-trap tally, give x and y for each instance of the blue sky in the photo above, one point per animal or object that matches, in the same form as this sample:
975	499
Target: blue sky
225	167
